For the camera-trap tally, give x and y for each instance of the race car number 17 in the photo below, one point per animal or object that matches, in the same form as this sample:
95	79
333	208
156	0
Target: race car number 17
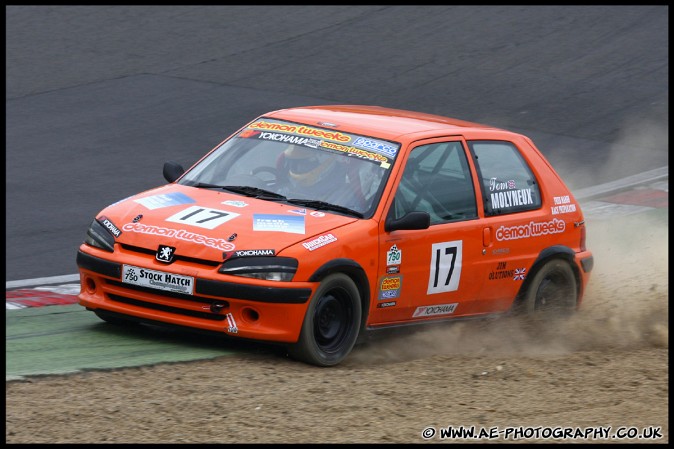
445	270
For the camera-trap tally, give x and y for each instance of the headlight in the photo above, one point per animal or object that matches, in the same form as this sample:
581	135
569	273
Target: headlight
99	236
267	268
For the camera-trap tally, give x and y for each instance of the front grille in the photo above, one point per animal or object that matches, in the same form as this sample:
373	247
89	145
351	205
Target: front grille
165	308
153	253
164	293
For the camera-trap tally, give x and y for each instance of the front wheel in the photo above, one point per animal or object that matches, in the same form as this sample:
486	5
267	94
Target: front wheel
552	292
331	324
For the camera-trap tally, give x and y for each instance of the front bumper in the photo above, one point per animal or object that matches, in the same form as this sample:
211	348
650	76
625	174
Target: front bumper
252	309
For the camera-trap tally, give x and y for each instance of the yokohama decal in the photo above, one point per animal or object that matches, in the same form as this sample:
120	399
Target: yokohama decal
440	309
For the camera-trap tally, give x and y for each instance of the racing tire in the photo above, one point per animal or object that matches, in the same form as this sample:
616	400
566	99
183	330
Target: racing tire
331	324
552	292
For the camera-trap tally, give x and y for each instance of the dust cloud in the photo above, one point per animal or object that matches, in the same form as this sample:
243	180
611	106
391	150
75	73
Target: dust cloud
625	307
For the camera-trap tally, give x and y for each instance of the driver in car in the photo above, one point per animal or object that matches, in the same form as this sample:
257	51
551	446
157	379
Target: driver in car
317	175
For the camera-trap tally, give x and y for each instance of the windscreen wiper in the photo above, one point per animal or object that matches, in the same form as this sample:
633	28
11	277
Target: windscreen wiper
255	192
244	190
322	205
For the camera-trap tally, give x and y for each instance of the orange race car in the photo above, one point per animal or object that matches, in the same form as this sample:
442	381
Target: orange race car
311	226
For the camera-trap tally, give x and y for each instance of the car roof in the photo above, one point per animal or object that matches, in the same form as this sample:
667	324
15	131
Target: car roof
378	121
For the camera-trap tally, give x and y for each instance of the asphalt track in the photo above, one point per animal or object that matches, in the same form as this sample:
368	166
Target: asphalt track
98	97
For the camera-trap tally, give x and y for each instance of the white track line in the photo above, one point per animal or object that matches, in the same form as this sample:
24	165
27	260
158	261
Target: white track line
630	181
587	193
43	281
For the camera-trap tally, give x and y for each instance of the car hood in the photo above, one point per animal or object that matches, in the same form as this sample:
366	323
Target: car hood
211	224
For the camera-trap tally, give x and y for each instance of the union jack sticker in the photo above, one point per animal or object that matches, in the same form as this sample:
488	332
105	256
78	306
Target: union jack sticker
519	274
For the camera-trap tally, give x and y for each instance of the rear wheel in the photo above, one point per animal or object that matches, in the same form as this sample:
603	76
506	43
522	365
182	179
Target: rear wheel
552	292
331	324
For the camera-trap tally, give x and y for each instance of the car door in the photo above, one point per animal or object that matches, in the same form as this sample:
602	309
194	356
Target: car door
515	224
434	272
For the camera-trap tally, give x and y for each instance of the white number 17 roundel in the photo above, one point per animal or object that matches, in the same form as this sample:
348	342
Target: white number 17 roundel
202	217
445	267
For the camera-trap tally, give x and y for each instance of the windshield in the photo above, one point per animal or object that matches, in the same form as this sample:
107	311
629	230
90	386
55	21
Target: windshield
282	161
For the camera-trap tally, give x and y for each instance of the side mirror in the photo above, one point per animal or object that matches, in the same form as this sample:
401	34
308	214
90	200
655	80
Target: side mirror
172	171
411	220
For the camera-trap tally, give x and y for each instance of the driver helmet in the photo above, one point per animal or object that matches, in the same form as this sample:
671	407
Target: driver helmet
306	167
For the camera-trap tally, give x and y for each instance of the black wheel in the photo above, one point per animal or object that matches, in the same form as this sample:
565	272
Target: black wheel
331	324
114	319
552	291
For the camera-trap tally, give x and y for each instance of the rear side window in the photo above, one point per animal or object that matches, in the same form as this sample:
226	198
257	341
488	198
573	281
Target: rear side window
508	184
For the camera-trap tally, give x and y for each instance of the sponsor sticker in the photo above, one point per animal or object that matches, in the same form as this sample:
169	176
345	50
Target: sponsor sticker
278	223
302	130
182	234
379	146
250	253
363	154
235	203
319	241
390	286
531	229
160	280
114	230
394	256
562	205
287	138
164	200
440	309
383	305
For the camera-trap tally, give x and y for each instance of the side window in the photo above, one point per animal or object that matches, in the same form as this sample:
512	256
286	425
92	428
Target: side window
437	180
508	185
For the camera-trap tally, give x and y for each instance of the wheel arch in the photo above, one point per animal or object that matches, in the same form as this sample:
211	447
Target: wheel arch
552	252
357	274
